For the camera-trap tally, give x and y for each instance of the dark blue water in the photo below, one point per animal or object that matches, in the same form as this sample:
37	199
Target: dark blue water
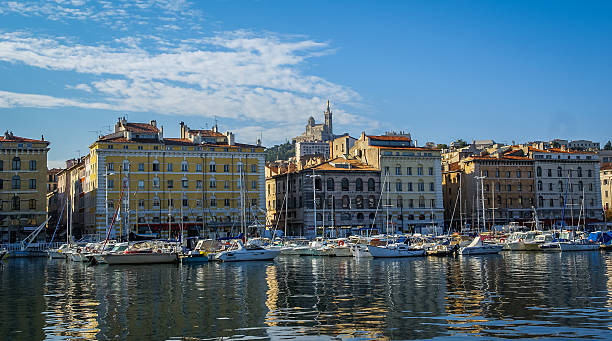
508	296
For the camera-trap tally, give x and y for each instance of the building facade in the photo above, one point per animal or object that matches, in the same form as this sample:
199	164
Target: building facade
411	178
500	186
311	148
566	181
347	196
203	183
23	186
605	177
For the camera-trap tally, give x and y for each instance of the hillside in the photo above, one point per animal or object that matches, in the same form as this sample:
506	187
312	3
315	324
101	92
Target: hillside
280	151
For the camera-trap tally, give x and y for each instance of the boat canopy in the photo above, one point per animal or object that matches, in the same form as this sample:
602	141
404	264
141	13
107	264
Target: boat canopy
601	237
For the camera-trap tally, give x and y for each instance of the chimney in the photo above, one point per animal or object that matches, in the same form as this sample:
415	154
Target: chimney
154	123
230	138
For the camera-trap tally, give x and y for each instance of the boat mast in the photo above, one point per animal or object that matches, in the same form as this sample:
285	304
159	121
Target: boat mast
460	205
286	200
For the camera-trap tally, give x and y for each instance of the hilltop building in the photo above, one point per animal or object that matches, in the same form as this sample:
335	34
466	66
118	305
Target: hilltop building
321	132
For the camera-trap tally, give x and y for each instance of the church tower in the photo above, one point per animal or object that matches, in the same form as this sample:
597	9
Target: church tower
328	122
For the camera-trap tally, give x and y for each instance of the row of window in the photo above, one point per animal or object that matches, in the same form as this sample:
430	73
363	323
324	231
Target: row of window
16	204
518	173
360	216
156	203
184	148
562	188
212	167
344	184
16	183
398	170
16	164
570	172
507	188
184	184
551	202
399	187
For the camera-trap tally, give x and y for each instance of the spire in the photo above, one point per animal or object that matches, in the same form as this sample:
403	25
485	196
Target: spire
327	105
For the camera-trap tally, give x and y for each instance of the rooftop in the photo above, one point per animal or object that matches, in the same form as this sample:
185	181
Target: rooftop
342	164
9	137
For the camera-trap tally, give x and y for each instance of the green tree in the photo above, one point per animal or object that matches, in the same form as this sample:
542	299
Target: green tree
608	146
442	146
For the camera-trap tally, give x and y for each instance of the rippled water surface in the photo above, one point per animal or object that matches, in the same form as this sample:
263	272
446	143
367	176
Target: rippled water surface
508	296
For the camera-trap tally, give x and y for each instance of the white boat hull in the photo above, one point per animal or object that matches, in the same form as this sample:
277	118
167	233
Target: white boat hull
246	255
360	251
480	250
578	247
337	251
57	255
140	258
385	252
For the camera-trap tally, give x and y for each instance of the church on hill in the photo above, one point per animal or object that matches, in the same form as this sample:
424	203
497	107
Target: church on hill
318	132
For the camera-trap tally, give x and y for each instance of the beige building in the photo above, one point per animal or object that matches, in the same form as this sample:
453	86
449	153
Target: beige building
322	132
411	178
23	186
341	145
605	176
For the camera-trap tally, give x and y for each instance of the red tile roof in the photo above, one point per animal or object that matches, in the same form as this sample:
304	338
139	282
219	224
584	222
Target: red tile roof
206	133
354	164
408	148
141	128
13	138
389	138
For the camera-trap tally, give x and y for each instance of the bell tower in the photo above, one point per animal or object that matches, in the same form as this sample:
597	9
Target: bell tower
328	121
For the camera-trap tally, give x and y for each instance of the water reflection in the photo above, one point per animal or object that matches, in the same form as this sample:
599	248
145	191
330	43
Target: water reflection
513	295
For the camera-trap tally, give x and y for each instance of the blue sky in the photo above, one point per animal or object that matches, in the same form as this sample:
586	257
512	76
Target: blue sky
442	70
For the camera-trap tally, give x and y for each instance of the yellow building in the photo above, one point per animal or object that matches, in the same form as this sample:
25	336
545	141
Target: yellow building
23	186
201	181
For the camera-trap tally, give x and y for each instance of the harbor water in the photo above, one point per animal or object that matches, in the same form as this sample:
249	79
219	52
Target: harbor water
506	296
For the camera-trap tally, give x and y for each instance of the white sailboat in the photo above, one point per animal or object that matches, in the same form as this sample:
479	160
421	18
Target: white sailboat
477	247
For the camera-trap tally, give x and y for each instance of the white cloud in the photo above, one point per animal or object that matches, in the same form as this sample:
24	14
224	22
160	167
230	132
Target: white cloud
235	75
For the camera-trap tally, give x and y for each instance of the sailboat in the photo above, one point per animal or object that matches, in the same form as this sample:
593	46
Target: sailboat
581	244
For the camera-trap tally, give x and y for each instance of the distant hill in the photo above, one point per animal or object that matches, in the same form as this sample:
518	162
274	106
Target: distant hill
280	151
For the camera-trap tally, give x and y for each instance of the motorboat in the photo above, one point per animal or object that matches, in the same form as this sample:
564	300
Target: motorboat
203	251
443	249
578	245
477	247
59	253
241	253
395	250
140	257
338	248
117	248
522	241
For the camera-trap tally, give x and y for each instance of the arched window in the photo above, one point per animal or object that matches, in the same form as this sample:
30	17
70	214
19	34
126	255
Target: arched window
559	172
400	201
421	202
359	201
184	166
346	202
330	184
372	216
358	185
539	185
371	185
540	201
539	171
317	184
16	182
398	185
16	163
580	185
155	166
126	165
345	184
579	172
560	184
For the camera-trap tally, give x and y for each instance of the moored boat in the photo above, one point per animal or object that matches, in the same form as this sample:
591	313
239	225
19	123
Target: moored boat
477	247
242	253
395	250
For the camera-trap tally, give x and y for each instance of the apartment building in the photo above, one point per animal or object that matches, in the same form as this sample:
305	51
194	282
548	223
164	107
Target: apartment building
23	180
